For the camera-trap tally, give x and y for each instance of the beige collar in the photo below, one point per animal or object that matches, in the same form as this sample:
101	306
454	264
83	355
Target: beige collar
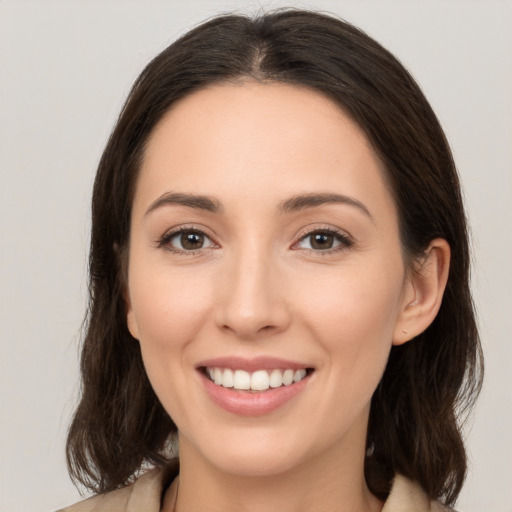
146	495
405	496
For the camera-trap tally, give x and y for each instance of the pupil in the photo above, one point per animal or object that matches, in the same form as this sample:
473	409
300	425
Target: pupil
322	241
191	241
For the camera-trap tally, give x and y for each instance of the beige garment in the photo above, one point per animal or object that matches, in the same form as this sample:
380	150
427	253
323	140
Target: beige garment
145	495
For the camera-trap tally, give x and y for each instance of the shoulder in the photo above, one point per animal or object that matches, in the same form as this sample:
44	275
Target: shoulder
408	496
114	501
145	494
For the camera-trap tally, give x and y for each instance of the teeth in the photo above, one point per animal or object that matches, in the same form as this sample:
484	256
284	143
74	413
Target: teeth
217	376
260	380
288	377
228	378
276	379
299	375
242	380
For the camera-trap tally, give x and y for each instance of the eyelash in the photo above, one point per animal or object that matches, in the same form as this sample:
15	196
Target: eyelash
345	241
164	242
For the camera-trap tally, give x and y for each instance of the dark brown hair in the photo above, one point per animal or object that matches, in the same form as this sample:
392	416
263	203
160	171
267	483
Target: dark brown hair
429	383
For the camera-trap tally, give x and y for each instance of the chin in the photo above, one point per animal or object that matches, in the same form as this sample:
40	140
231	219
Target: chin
250	453
255	463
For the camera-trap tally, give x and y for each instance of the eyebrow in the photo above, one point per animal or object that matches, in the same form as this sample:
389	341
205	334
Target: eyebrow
295	203
303	201
199	202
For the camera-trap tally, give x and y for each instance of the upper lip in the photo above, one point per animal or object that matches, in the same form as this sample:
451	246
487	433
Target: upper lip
253	364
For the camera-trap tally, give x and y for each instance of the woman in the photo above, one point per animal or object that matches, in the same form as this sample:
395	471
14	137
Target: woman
279	280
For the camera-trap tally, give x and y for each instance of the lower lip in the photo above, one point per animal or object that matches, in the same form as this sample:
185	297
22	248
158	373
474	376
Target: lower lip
249	403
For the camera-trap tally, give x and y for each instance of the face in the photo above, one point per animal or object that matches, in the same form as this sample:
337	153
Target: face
264	254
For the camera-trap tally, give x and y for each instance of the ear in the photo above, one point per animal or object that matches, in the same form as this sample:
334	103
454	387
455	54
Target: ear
423	292
131	321
122	260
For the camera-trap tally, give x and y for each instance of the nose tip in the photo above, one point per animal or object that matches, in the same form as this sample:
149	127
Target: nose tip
249	326
252	303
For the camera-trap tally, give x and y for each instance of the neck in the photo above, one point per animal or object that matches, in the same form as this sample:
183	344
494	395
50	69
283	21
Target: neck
328	482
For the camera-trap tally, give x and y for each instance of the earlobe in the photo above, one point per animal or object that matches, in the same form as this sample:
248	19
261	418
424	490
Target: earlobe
424	292
132	322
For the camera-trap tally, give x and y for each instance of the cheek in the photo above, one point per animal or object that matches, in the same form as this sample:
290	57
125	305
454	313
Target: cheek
353	325
352	316
353	303
169	307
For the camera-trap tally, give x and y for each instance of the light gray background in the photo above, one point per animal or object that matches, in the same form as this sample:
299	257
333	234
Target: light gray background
65	69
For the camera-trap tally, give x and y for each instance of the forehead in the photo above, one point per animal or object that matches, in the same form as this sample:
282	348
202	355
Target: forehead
262	141
246	114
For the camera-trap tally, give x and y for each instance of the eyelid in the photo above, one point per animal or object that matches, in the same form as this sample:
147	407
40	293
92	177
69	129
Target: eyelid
347	241
163	241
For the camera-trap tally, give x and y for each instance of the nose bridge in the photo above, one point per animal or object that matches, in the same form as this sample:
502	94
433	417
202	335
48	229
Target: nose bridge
252	300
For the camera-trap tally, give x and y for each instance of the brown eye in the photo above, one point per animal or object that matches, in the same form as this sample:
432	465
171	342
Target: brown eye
189	240
321	241
324	241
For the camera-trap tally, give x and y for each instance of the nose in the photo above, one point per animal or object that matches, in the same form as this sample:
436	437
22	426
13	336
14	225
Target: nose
252	300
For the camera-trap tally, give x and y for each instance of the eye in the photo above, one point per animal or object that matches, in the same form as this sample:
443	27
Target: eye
186	240
324	240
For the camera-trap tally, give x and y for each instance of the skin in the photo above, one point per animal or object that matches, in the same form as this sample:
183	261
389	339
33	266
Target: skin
257	287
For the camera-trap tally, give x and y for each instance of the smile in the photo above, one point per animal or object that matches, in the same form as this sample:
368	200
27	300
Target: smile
259	380
255	386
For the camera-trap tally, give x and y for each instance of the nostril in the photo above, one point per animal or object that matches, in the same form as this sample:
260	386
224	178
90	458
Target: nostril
242	328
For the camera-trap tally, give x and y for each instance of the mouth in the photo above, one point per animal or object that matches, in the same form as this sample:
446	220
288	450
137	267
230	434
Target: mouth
254	386
256	381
